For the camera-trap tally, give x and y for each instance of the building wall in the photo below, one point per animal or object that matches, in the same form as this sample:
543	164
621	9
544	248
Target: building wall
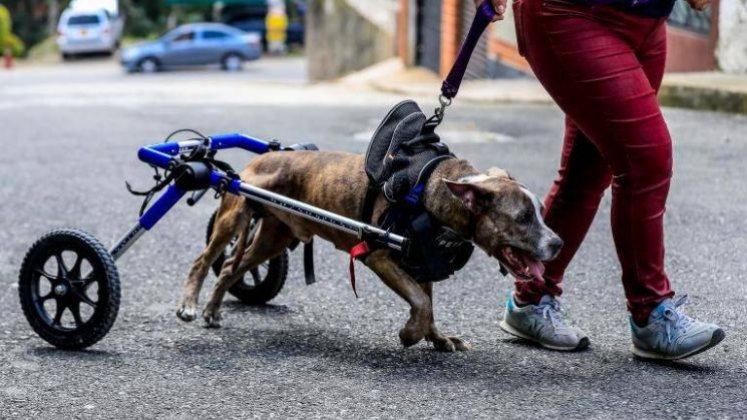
341	38
732	44
450	33
692	38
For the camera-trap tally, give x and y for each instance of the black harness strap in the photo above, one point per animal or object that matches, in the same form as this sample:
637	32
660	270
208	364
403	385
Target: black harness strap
308	262
372	192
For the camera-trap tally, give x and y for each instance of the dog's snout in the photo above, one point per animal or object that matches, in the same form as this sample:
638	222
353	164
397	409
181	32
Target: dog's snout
554	246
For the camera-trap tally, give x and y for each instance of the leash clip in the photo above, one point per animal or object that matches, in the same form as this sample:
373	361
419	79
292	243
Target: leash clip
438	115
444	102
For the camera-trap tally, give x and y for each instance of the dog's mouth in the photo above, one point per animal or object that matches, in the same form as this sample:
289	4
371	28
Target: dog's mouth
521	263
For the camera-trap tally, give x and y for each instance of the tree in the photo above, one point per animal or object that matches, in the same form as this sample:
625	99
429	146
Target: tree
8	41
52	15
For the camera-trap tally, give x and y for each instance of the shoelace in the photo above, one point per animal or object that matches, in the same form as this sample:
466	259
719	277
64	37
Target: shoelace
551	311
675	319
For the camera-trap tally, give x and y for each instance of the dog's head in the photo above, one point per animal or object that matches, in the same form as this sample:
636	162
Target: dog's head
508	222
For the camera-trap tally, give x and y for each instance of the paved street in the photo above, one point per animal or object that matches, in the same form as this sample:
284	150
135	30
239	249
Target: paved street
70	137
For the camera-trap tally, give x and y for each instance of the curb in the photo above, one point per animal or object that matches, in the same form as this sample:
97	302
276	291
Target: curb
474	93
703	98
670	95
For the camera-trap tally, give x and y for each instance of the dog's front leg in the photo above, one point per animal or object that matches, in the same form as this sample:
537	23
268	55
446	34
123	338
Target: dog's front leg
421	311
440	341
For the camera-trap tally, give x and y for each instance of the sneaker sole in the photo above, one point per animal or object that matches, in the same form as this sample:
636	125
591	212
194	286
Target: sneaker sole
582	344
717	337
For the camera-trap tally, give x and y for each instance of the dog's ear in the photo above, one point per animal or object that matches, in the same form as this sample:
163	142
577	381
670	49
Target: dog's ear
499	173
470	194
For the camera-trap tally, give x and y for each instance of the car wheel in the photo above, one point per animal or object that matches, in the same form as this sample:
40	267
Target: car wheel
232	62
149	65
66	56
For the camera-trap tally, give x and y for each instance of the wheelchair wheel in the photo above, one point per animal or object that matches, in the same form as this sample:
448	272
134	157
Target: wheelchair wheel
262	283
69	289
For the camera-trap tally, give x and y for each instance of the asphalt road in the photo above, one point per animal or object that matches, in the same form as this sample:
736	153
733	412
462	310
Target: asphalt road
69	140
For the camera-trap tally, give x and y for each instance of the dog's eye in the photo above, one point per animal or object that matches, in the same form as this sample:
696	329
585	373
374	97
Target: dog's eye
524	218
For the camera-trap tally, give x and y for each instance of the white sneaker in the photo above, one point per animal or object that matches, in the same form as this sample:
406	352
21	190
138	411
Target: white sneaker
543	324
672	335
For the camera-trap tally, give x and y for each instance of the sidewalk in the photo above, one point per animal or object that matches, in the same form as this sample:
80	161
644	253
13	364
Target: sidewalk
702	91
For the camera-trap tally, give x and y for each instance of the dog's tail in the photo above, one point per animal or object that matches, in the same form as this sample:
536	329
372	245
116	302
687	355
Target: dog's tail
241	245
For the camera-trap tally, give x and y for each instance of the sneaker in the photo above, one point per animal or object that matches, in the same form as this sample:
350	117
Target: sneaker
672	335
543	324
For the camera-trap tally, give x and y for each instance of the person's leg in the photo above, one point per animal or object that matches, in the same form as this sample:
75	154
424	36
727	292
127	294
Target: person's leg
602	66
585	57
570	207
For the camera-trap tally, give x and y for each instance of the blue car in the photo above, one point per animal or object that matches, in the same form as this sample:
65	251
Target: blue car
195	44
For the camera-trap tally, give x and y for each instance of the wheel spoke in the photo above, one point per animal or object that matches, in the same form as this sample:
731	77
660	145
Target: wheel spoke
81	294
75	271
75	310
58	314
61	269
44	274
255	276
86	282
46	297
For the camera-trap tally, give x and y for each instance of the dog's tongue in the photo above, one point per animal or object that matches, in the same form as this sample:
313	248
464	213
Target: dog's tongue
536	268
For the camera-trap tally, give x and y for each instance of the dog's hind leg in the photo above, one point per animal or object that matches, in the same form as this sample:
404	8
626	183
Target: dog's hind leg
421	311
440	341
272	237
233	217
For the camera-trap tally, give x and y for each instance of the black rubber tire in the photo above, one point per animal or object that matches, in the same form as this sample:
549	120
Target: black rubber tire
267	289
155	61
224	61
105	276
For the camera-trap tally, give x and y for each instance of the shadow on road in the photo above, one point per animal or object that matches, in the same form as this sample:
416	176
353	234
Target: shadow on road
52	353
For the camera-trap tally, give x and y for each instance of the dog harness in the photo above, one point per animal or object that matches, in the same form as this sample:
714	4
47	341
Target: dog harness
402	155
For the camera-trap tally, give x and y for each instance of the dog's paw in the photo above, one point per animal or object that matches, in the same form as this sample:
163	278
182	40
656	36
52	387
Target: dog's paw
460	344
409	338
212	318
450	344
186	313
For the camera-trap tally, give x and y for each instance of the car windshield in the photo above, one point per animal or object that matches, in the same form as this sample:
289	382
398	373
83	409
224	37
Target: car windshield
83	20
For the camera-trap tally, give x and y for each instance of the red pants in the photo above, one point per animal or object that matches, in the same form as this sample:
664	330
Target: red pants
603	67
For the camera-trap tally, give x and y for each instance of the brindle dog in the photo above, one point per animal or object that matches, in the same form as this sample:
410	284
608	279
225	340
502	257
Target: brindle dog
501	216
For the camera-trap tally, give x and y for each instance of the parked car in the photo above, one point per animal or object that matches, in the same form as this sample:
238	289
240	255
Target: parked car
88	31
252	19
194	44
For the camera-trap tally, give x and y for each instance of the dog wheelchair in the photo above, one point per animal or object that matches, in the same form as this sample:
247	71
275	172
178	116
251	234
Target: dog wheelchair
65	268
69	286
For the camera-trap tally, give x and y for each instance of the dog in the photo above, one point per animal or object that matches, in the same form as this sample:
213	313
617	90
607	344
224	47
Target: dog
491	209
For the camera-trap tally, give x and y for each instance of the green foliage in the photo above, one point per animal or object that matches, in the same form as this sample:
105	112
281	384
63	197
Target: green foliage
5	22
28	24
7	38
17	48
138	23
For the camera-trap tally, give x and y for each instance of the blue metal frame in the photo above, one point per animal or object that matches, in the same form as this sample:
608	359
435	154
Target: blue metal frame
162	155
165	156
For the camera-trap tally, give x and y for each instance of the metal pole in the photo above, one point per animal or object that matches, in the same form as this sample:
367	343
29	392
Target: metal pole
322	216
127	240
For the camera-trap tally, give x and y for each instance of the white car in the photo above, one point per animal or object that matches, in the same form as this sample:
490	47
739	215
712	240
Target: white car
80	32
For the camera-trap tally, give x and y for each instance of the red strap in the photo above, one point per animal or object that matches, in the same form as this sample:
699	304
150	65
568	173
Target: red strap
357	251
